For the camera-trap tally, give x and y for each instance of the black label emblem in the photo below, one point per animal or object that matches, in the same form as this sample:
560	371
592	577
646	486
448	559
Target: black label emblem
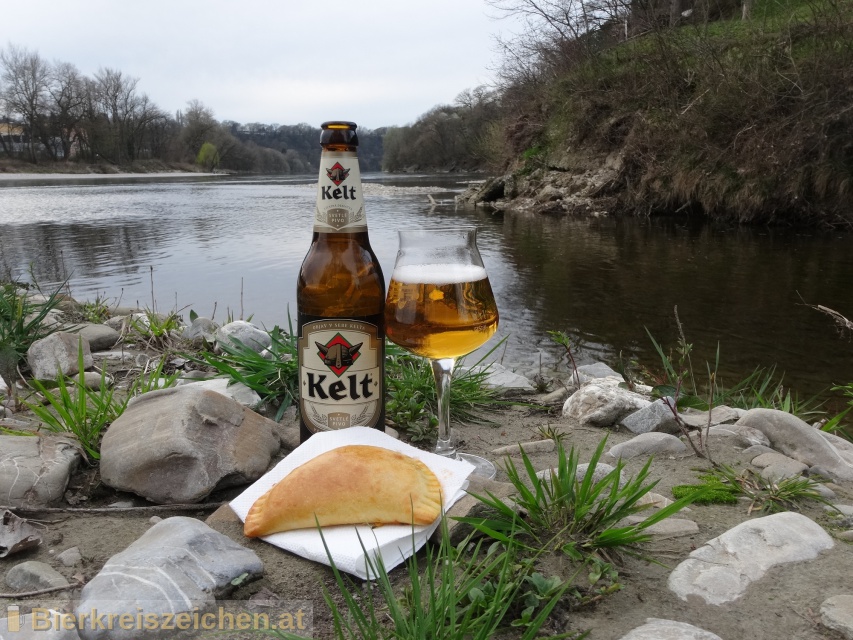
337	174
338	354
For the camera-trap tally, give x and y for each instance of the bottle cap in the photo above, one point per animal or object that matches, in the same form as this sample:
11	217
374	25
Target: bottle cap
339	132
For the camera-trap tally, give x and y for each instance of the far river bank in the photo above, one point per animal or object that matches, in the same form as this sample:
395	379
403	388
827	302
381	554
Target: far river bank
232	245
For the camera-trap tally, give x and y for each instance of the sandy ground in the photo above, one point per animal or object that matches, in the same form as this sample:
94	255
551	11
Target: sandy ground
783	604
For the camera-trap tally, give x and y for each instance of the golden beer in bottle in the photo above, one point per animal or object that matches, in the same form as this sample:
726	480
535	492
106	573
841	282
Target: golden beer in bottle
340	299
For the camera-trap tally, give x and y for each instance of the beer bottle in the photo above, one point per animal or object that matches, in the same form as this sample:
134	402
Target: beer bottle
340	299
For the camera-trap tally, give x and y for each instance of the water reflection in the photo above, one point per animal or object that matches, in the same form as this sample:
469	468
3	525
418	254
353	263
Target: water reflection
238	243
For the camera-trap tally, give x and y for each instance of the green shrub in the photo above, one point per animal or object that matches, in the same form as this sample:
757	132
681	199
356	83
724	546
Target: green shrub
581	517
73	408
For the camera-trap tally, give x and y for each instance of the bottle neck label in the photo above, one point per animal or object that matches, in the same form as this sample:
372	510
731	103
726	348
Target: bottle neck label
340	202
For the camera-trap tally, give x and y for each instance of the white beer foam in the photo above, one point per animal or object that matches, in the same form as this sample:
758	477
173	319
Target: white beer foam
438	274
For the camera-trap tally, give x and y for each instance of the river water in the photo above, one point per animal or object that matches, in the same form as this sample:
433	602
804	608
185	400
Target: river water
235	244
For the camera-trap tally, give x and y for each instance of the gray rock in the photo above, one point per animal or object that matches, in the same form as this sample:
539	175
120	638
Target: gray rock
718	415
846	536
57	353
549	193
822	472
34	470
836	613
746	436
557	396
656	416
757	450
118	311
53	319
245	332
33	575
844	447
237	391
823	491
178	445
175	566
796	439
648	444
70	557
201	329
100	336
288	430
657	629
722	569
188	377
537	446
499	377
118	322
92	379
598	404
587	372
843	509
124	357
776	467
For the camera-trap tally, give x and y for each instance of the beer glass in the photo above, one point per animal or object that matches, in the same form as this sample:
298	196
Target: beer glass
440	306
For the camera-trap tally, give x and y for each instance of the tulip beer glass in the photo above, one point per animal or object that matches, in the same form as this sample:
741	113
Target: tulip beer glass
440	306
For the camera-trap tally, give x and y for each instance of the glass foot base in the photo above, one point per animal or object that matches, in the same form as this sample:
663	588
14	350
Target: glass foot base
482	467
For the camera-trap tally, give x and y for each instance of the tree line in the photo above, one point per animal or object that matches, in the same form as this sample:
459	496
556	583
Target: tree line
50	112
732	109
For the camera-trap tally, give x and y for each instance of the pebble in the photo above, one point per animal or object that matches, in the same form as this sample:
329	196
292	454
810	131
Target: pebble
32	575
657	629
70	557
837	614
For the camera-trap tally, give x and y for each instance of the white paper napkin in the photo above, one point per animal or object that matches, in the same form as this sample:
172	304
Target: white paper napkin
393	543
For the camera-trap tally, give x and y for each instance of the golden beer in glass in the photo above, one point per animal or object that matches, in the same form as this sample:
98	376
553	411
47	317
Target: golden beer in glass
449	316
440	306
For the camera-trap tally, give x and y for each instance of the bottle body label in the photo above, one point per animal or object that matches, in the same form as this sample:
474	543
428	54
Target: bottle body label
340	373
340	201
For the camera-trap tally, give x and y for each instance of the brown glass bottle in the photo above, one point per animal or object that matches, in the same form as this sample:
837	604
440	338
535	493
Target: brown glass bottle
340	298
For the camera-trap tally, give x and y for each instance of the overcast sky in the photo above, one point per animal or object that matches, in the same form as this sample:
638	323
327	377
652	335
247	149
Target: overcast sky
377	62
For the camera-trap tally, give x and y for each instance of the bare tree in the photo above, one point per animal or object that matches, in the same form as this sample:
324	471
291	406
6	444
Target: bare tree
64	102
120	116
5	117
25	75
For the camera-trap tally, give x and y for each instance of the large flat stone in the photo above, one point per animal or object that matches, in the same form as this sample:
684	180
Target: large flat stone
599	404
34	470
178	565
798	440
722	569
58	353
178	445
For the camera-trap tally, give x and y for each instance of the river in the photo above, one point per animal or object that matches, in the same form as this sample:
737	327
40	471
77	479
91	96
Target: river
235	245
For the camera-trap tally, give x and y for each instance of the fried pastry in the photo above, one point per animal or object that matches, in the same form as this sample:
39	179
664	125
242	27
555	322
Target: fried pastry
354	484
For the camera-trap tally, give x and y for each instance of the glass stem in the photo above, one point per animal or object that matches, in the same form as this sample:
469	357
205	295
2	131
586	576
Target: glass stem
442	369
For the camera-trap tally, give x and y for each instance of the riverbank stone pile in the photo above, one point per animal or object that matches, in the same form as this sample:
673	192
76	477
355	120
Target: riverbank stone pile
180	444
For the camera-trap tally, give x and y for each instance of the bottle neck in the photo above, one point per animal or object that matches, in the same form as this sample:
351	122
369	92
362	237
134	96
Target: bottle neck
340	200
